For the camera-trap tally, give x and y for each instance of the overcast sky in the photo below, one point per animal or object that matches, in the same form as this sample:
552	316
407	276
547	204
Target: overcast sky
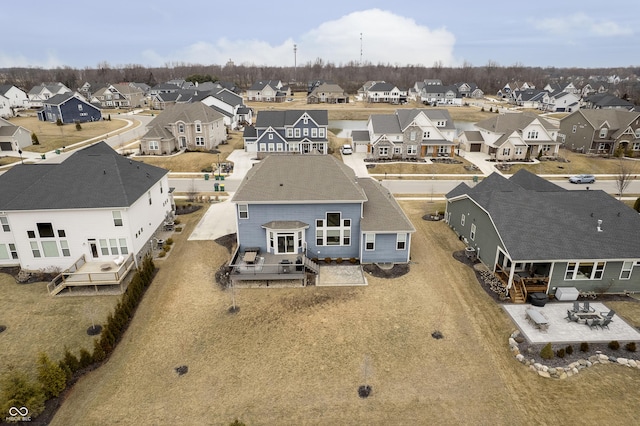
81	34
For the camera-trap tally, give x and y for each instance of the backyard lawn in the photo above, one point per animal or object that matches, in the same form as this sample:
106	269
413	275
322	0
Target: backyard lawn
53	137
578	163
298	355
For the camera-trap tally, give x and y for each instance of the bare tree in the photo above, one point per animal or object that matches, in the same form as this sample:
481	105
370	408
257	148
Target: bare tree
626	170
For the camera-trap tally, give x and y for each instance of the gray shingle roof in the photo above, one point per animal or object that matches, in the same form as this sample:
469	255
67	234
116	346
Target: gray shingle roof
539	222
360	135
187	112
93	177
285	178
280	119
381	212
503	123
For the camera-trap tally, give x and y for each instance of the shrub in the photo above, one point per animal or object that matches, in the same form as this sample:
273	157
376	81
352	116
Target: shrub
58	122
169	241
166	247
560	353
584	347
352	260
78	126
162	253
614	345
85	358
52	378
178	228
547	351
34	139
71	360
631	346
327	260
176	221
636	205
339	260
569	350
98	352
19	391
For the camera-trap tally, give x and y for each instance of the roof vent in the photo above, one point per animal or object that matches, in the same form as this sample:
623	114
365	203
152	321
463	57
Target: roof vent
599	225
104	172
281	184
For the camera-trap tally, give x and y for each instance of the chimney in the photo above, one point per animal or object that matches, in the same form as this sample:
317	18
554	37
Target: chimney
599	225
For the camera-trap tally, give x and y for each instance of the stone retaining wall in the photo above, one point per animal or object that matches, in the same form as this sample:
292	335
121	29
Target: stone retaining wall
572	368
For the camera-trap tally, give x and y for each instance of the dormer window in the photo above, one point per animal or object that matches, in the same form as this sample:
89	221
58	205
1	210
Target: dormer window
603	132
198	127
180	128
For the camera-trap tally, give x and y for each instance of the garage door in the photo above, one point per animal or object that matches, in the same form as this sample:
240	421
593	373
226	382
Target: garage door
361	147
5	146
476	147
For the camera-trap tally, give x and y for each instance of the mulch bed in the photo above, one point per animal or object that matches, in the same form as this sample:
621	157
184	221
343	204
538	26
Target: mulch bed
186	209
533	350
394	272
227	241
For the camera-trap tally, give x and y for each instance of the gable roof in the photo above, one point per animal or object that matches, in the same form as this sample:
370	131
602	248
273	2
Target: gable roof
381	212
541	221
616	119
286	178
508	122
93	177
280	119
186	112
381	86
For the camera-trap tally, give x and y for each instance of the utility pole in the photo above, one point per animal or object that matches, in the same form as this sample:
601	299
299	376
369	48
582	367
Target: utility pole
360	49
295	62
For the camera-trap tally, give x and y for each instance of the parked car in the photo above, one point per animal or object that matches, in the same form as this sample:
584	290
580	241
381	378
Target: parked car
346	149
582	179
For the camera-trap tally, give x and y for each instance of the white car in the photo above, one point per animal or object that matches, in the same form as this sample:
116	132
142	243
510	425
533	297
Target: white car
346	149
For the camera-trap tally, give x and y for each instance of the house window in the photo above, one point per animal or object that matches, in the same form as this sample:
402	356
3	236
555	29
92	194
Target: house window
383	150
289	133
412	136
321	133
45	230
401	241
271	147
533	134
123	246
117	218
462	219
14	252
243	211
603	133
574	129
5	224
636	146
546	148
279	147
35	250
180	128
584	271
443	149
198	128
333	219
31	234
104	248
113	243
426	135
4	254
199	141
154	146
518	150
333	230
314	132
346	237
506	151
305	131
412	149
149	195
472	235
297	133
397	150
625	272
369	242
79	107
319	237
638	133
62	233
270	136
64	248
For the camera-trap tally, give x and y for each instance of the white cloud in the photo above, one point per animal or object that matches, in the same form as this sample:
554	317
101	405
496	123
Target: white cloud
387	38
10	61
580	23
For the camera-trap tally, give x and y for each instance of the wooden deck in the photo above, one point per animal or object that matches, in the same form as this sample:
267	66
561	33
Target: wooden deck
83	275
522	286
269	267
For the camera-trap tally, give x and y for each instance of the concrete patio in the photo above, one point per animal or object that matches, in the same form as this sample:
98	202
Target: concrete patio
562	331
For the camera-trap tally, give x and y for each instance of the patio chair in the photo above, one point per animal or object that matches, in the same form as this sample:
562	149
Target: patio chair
571	316
609	314
587	308
576	306
594	322
605	323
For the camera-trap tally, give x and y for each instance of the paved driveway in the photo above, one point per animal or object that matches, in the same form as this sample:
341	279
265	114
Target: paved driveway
356	162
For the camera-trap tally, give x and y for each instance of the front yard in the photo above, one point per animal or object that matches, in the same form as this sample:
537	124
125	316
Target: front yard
298	355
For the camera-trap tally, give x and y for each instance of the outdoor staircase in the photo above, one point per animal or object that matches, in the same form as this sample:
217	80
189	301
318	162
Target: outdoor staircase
518	293
310	265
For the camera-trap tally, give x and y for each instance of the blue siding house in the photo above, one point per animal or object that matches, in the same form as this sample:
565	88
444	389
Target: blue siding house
293	131
69	109
313	207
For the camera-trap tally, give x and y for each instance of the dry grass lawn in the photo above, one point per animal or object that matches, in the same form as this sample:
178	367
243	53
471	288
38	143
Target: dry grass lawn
421	168
53	137
578	163
295	356
37	323
8	160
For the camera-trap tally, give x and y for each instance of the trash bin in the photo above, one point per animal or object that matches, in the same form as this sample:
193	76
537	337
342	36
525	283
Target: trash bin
57	151
215	187
222	187
44	157
206	176
475	179
221	177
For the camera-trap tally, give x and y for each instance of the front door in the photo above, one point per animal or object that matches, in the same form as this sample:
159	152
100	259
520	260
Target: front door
94	248
286	243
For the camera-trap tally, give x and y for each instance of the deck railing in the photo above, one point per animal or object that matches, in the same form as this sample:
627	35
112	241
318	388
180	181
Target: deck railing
73	276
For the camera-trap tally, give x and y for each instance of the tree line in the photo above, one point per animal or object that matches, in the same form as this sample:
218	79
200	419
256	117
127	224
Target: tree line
490	77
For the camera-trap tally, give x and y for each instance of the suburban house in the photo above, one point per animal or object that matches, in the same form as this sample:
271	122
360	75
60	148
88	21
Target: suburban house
193	126
120	95
5	107
268	91
383	92
17	97
68	108
414	91
291	131
469	90
229	104
607	101
305	208
436	94
557	87
12	137
91	216
601	131
409	134
514	136
538	237
38	94
328	93
529	98
560	102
